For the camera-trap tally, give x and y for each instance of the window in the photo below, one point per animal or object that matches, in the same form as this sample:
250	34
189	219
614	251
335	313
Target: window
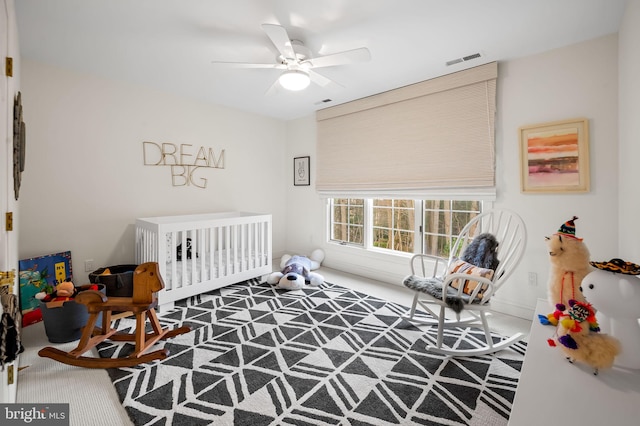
394	224
347	220
401	225
443	221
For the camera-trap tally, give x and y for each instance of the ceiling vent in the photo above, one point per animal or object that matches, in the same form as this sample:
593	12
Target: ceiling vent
324	101
464	59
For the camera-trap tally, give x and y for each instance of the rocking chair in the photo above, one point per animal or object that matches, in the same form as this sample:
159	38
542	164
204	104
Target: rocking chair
146	281
471	291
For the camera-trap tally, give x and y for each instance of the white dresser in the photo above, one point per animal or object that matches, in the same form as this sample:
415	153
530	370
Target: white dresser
552	391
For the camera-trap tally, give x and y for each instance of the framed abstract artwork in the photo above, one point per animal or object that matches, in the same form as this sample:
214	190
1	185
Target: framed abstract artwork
554	157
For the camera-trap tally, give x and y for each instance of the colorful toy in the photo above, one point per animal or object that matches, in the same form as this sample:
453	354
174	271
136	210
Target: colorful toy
569	259
614	289
296	271
63	292
580	338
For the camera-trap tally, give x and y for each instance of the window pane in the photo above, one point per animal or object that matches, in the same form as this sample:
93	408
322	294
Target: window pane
348	220
356	215
355	234
460	220
404	203
403	241
381	238
394	224
382	202
404	219
382	217
443	221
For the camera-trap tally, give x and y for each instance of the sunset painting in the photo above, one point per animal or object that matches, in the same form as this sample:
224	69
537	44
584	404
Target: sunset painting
553	157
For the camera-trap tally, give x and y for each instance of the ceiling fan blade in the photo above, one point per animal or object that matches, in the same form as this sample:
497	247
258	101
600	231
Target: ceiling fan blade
247	65
361	54
280	40
321	80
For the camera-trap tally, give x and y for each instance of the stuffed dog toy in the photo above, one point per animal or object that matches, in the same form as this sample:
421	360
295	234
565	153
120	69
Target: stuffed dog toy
296	271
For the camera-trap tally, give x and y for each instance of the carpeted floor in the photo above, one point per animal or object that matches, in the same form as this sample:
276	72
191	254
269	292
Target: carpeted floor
326	355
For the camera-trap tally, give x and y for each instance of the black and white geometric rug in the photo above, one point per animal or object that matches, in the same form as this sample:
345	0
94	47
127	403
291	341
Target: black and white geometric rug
324	355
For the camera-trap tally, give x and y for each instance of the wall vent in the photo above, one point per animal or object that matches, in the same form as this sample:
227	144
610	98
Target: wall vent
324	101
464	59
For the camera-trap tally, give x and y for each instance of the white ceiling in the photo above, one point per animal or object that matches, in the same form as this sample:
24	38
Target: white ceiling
170	44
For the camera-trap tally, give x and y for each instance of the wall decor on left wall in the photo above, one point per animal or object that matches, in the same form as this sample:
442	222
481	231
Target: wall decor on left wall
19	144
183	160
301	171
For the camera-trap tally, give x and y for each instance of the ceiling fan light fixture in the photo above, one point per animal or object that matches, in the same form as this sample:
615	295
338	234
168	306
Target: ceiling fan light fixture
294	80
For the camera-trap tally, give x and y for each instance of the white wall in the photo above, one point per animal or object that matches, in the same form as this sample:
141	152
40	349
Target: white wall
85	182
576	81
629	204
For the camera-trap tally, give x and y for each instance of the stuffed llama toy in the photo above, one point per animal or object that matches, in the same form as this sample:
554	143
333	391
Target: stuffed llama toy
296	271
580	338
569	259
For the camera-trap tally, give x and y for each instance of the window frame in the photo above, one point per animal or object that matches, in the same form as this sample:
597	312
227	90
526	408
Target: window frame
419	232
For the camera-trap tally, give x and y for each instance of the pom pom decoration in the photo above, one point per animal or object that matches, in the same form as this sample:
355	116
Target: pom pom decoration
568	341
544	320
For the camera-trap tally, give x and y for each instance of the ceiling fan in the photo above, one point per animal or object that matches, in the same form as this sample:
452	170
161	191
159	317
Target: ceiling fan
297	63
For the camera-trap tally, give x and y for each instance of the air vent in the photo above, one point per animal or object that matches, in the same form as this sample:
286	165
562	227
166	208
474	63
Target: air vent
464	59
324	101
470	57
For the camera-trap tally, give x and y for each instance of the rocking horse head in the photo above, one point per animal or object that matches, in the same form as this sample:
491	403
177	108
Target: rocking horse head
146	281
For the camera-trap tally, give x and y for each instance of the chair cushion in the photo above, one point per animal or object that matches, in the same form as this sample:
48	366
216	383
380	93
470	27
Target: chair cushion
462	267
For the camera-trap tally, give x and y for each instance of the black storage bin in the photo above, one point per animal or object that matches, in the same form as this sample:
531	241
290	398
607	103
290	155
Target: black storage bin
64	323
119	283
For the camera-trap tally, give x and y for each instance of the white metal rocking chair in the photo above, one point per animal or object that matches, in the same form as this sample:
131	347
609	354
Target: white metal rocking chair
509	230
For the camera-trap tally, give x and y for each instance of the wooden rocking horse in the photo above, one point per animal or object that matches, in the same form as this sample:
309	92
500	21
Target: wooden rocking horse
146	281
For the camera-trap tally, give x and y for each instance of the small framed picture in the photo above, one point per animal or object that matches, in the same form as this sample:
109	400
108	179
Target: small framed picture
301	171
554	157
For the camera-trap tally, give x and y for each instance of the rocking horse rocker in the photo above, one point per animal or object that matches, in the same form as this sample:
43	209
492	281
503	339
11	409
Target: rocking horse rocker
146	281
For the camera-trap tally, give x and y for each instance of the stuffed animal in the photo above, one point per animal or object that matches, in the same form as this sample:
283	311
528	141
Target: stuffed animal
569	258
614	290
580	338
482	252
62	292
296	271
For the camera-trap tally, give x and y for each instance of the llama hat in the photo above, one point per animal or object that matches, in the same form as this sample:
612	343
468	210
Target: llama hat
568	229
619	266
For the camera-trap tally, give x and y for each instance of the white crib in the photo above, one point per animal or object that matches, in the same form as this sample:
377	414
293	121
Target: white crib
225	248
